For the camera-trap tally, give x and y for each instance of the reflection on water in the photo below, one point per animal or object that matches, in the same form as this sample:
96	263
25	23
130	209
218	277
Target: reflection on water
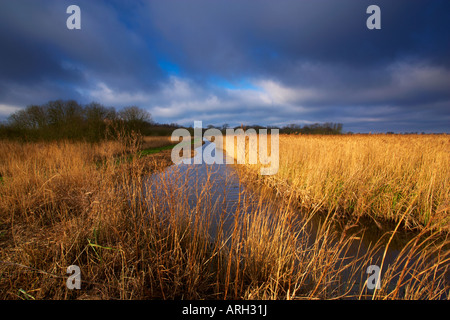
216	186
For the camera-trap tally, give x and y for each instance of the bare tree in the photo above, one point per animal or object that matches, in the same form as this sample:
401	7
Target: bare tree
135	114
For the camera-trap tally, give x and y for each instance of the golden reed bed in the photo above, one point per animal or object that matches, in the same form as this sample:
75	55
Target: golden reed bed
66	203
385	177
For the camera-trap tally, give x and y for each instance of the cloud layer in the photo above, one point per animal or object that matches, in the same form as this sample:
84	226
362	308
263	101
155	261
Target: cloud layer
265	62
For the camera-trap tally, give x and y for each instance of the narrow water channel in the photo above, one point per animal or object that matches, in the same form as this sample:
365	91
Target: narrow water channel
215	184
219	186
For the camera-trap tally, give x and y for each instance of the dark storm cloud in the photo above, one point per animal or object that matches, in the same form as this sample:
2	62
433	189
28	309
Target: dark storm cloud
270	37
39	51
266	62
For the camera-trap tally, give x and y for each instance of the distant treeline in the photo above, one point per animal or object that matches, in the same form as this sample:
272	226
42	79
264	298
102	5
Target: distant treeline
70	120
316	128
93	122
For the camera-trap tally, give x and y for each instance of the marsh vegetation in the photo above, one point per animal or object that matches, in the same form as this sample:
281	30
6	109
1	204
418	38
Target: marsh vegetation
140	238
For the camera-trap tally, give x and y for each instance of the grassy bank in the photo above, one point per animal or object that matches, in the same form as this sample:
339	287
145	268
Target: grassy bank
152	145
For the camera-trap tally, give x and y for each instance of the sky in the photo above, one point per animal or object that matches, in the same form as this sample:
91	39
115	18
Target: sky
237	62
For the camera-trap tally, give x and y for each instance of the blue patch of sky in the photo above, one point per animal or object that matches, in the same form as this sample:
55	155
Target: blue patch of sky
169	67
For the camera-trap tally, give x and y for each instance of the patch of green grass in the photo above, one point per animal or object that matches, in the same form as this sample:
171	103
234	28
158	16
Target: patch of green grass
155	150
159	149
145	152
